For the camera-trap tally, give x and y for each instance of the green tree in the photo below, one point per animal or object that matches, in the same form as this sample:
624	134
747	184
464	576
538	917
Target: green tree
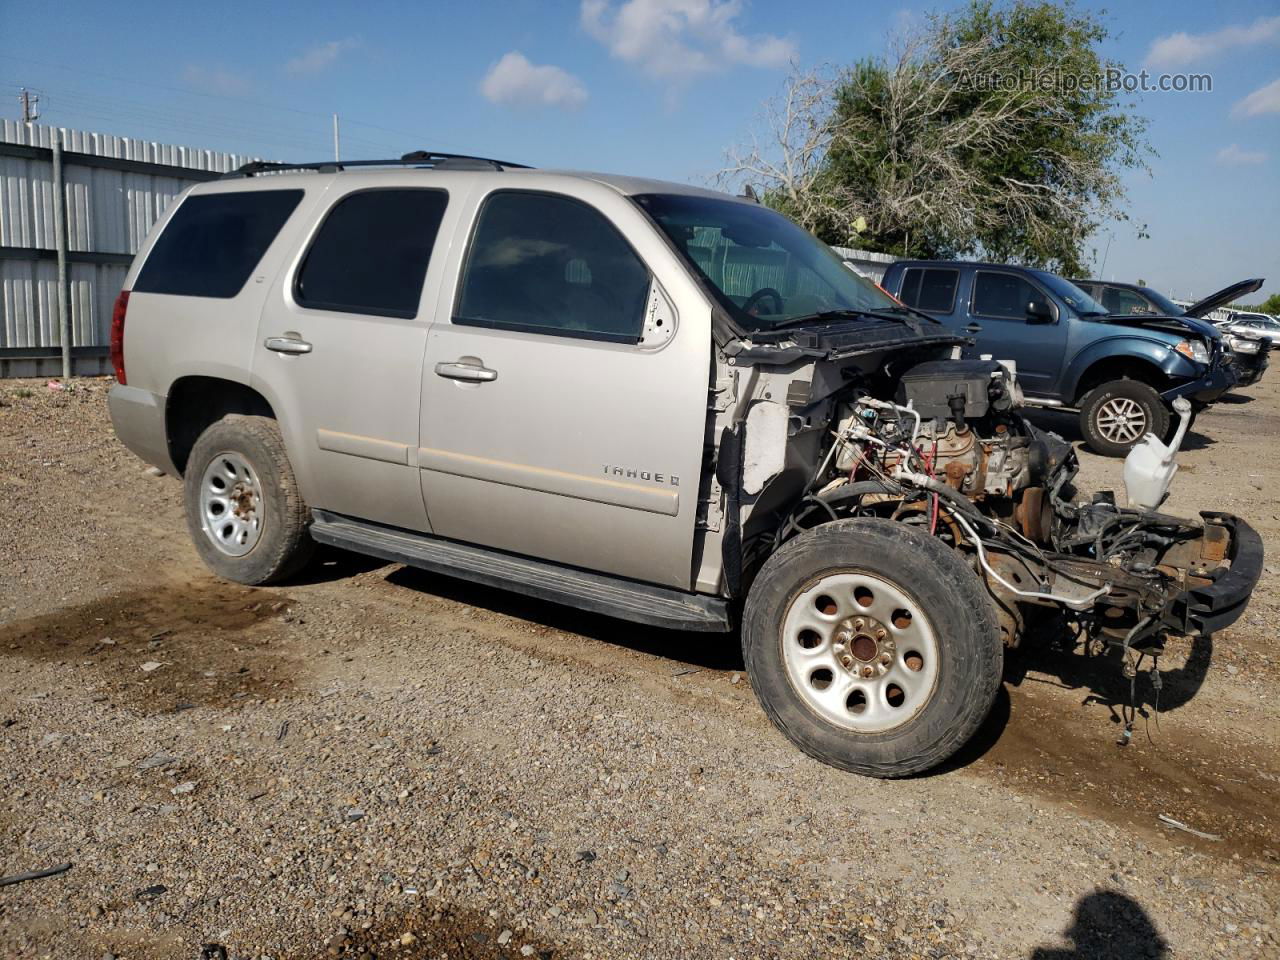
984	132
1270	305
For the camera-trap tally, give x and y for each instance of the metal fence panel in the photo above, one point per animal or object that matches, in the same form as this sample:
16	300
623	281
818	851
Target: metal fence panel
107	211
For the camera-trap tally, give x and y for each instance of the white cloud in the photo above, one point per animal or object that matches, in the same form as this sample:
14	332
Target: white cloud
1179	49
320	57
218	80
675	40
1233	156
1263	100
514	80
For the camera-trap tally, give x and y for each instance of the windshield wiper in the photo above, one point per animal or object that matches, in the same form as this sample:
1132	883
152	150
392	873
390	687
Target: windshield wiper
918	313
808	318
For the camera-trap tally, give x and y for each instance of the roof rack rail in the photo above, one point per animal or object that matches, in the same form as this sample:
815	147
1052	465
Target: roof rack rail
417	158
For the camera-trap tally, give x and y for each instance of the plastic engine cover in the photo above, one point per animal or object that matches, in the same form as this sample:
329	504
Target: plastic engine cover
931	386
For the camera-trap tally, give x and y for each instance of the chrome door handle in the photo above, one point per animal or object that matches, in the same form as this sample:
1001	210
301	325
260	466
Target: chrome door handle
473	372
973	328
288	344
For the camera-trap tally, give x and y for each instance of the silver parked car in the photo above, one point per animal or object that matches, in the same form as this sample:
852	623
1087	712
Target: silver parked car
1254	326
644	399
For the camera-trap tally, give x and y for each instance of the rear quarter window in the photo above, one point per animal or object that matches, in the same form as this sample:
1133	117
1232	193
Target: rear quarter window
213	242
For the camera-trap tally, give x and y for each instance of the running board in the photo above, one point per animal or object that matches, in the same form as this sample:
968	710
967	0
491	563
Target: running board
598	593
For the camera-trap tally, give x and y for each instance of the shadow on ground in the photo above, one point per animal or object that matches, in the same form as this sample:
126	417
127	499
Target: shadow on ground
1103	678
1108	925
706	651
331	564
1235	398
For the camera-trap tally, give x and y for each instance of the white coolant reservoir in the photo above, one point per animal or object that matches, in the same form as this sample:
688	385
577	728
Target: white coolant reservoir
1150	466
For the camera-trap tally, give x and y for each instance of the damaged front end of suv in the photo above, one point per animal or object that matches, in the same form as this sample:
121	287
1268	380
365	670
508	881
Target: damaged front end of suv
856	420
942	444
890	520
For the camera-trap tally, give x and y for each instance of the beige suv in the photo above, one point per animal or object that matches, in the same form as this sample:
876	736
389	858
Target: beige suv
640	398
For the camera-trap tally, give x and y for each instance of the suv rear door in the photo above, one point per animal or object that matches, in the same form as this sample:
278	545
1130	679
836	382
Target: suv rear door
563	399
340	348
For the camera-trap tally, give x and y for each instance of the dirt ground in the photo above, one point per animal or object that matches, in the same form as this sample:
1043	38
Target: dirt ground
374	762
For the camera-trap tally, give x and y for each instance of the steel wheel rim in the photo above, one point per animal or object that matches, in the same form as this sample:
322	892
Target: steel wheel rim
1122	420
231	505
830	643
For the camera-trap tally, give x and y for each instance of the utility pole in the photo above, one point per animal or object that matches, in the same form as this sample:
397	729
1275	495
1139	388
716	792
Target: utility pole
337	153
29	102
60	242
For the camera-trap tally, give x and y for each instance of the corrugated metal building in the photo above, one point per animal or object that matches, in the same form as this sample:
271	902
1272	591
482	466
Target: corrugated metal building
114	189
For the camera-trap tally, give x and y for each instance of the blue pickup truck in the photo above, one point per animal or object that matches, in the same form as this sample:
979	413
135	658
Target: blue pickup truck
1120	372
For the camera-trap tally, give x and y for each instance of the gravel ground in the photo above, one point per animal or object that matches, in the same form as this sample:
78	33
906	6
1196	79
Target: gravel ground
372	761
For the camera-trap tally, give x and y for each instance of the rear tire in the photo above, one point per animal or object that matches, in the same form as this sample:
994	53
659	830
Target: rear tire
1117	415
245	514
844	613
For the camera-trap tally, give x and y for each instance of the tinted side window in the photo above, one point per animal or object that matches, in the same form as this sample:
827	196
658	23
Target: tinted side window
930	289
370	255
214	241
543	263
1002	295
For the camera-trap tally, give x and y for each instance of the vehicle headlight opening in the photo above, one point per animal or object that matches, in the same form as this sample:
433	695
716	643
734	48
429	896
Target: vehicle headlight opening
1193	350
1241	345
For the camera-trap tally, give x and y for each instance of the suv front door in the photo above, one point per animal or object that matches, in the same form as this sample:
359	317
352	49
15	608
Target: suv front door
563	398
1002	326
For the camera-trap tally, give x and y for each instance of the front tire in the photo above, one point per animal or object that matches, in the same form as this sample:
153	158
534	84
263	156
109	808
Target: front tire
246	517
872	646
1117	415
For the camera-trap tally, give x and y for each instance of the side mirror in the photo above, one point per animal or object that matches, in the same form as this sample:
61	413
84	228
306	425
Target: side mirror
1039	312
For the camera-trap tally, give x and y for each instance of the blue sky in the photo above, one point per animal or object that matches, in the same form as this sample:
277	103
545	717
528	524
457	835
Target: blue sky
652	87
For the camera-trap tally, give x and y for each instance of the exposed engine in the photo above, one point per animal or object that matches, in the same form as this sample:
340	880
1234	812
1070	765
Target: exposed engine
928	426
949	450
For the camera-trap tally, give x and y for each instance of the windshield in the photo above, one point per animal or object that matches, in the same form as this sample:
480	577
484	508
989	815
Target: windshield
764	270
1075	298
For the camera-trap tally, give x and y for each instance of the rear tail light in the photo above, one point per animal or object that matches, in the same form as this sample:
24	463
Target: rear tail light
117	334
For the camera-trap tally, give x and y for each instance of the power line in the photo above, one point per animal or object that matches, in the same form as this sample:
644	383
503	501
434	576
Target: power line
117	111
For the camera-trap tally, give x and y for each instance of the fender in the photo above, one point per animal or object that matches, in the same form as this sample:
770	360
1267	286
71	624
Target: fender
294	439
1155	352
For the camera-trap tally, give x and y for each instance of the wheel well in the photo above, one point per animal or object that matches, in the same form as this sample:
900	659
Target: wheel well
196	403
1120	368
